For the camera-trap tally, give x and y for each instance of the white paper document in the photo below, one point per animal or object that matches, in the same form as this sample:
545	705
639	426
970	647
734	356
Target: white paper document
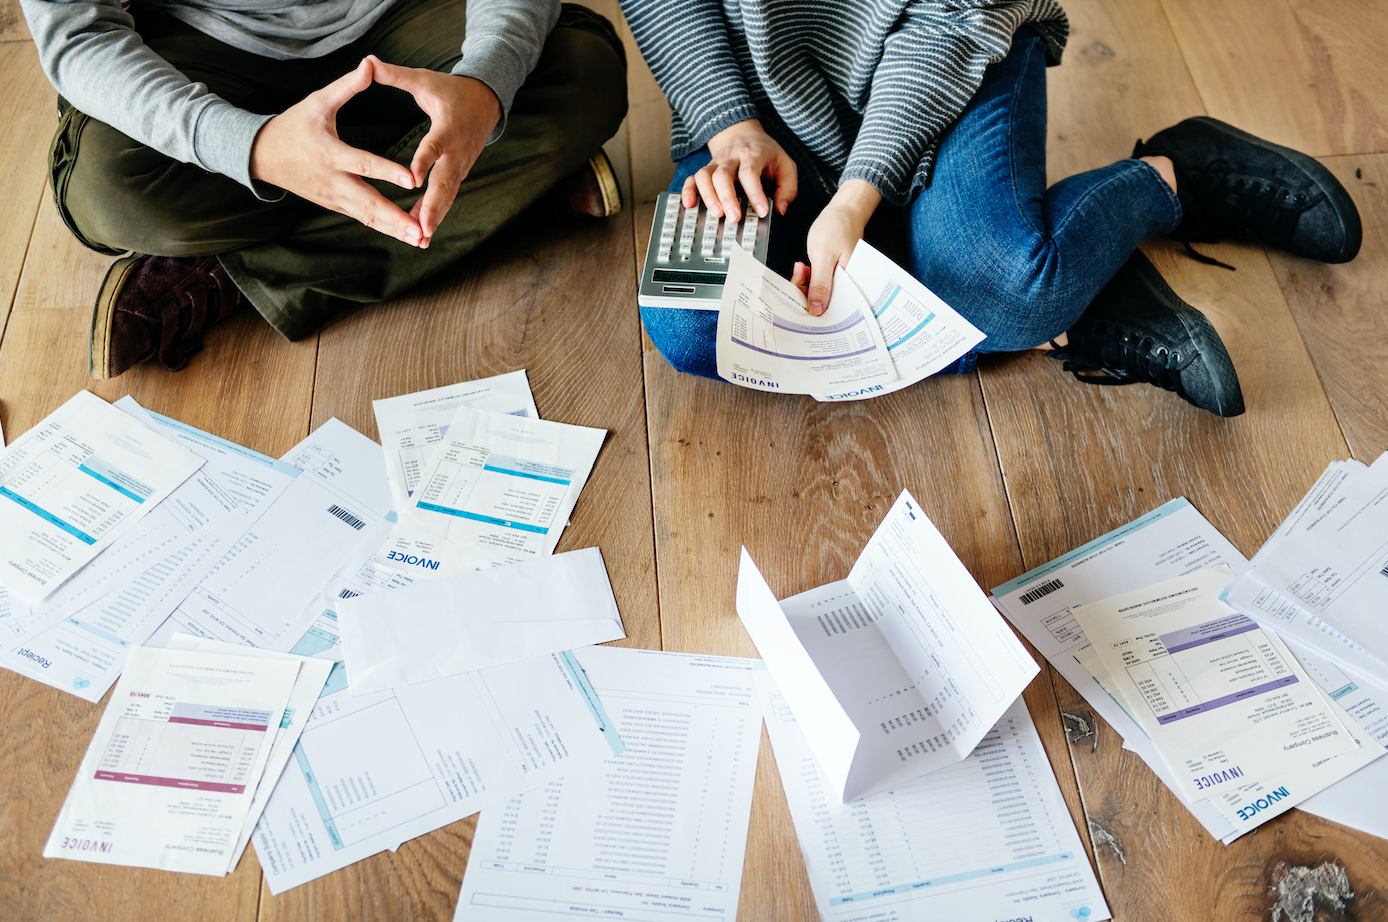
440	628
411	425
79	638
987	839
170	775
372	771
898	670
499	491
307	687
1170	541
882	331
768	341
654	834
74	484
1223	699
260	592
1323	576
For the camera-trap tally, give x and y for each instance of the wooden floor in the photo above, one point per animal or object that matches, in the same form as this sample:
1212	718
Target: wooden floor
1016	464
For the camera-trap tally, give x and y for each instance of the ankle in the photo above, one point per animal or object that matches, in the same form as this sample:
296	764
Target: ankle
1164	167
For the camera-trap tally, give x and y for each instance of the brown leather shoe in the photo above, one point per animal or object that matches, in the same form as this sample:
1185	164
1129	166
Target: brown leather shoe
591	191
157	307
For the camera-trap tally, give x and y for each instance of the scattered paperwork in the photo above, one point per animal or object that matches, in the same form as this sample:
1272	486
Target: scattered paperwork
74	484
499	491
411	425
1172	540
440	628
989	838
372	771
655	833
79	638
1323	576
172	770
898	670
882	331
1223	699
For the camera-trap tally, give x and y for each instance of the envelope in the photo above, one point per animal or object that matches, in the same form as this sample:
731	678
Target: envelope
463	623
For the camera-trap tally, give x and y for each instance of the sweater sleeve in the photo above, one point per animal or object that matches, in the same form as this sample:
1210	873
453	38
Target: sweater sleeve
97	61
685	43
930	69
503	44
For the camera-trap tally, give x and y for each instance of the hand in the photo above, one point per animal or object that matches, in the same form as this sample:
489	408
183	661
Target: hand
462	111
833	235
299	151
743	152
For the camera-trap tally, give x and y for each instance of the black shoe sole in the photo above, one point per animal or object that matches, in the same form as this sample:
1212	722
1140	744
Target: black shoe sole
1334	191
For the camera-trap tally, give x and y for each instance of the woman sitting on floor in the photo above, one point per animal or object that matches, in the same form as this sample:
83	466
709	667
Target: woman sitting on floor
939	108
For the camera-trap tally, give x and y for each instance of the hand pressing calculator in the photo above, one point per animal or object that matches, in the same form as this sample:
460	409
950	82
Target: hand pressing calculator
687	257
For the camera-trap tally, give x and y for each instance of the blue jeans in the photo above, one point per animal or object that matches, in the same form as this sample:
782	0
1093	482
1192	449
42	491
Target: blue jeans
1020	261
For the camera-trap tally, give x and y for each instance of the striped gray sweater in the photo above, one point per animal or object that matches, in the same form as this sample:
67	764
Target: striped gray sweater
855	89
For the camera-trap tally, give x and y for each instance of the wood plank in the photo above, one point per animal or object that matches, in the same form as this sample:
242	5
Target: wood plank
803	486
28	112
1122	79
13	28
1304	73
1342	311
556	302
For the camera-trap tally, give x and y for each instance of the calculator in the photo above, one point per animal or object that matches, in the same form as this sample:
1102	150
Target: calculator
687	257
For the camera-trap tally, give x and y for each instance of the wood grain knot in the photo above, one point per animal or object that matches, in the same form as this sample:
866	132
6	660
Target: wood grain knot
1300	890
1078	728
1101	836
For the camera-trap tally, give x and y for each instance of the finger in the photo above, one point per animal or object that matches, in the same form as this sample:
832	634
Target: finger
704	180
787	181
689	195
444	180
408	79
431	148
800	277
335	95
821	285
366	164
750	177
357	199
726	188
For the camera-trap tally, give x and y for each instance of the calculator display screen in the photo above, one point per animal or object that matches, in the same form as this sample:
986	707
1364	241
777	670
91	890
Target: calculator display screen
700	278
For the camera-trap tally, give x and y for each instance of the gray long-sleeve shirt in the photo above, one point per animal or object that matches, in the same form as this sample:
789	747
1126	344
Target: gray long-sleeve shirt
855	89
92	53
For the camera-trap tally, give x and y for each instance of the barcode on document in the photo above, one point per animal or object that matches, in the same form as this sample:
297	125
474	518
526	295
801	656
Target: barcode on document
1036	592
347	594
347	517
1384	571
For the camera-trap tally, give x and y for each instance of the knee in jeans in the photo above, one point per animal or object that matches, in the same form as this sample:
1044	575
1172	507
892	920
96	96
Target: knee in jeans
1019	300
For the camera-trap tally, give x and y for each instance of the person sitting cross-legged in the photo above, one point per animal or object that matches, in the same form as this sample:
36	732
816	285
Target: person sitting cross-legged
938	108
303	156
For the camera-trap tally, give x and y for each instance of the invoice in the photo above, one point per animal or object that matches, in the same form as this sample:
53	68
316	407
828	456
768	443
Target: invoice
74	484
500	491
989	838
372	771
656	833
1222	699
898	670
172	770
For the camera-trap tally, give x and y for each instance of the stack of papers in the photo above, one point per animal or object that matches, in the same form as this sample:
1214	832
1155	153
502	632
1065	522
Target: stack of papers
173	776
1176	542
1322	577
882	331
898	670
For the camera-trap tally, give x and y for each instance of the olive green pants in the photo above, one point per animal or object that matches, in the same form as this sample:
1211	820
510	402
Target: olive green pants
296	262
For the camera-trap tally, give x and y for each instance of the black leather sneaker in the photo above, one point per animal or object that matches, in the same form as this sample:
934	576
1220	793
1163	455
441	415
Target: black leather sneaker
1139	330
1233	185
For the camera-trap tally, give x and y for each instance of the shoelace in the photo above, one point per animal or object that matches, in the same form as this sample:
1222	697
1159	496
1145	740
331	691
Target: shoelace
1245	203
1127	358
